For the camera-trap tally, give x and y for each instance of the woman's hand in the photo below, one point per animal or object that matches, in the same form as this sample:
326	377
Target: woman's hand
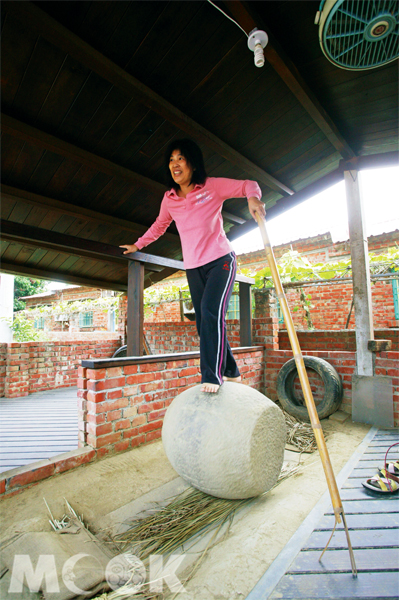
256	206
130	249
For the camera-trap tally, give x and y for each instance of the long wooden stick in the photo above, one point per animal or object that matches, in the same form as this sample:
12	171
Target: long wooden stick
305	386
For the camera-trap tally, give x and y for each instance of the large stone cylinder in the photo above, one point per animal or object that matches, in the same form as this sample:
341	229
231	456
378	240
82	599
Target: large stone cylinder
229	444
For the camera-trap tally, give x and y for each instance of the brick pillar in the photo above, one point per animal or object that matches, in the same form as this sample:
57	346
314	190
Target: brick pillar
82	407
266	333
265	303
122	318
17	370
3	368
265	323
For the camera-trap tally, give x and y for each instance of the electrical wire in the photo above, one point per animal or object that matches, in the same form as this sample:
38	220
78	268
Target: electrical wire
228	17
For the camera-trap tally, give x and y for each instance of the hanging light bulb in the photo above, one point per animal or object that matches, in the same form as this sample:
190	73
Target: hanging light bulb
257	41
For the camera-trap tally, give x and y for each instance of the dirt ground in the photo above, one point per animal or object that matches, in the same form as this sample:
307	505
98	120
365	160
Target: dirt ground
233	566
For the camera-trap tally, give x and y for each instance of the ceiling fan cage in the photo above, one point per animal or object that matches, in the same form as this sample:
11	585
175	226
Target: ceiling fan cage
359	34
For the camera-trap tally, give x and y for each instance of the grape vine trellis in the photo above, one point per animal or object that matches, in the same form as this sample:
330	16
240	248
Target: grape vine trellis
293	268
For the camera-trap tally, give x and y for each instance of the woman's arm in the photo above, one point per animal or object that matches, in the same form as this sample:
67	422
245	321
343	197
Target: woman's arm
159	227
246	188
236	188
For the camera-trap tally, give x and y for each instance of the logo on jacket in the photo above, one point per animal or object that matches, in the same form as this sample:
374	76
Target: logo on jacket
203	197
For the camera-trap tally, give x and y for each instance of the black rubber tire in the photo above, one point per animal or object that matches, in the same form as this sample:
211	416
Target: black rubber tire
121	352
332	383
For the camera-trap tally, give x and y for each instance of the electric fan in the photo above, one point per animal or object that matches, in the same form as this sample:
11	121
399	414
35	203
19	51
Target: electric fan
359	34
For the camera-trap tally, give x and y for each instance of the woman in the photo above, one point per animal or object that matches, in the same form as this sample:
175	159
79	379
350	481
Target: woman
194	202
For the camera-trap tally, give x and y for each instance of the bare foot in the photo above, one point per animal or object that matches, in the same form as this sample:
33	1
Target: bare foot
209	387
235	379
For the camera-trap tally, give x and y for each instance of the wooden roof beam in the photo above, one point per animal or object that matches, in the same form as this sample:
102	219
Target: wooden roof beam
62	277
63	208
44	25
287	70
18	269
81	246
37	137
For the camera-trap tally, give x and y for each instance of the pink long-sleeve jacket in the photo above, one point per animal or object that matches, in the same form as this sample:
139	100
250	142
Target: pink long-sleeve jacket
198	218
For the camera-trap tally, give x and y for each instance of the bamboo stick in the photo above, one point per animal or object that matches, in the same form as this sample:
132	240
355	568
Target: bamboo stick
305	386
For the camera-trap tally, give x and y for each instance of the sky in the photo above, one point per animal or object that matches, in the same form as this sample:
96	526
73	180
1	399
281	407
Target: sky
328	212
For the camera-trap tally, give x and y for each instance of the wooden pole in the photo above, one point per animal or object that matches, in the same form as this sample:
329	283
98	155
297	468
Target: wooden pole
135	309
305	386
181	306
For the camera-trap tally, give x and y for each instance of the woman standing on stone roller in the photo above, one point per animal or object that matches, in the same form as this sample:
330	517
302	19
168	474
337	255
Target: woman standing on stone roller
194	202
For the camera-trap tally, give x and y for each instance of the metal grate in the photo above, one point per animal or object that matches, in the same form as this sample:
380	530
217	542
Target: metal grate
373	521
361	34
86	319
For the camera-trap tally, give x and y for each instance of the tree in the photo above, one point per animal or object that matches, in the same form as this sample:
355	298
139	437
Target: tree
26	286
23	329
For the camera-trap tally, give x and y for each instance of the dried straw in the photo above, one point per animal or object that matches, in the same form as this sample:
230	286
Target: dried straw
66	519
191	515
188	516
300	435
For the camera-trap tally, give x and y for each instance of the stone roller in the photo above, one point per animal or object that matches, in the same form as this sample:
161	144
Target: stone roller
229	444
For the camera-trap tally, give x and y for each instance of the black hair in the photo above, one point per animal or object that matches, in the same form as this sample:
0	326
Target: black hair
194	156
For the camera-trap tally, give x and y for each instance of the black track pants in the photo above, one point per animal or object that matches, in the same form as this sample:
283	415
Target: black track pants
211	287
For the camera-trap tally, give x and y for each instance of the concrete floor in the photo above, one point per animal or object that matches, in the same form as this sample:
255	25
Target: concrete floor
113	489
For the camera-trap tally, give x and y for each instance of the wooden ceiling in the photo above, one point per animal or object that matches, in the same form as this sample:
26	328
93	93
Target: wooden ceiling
93	92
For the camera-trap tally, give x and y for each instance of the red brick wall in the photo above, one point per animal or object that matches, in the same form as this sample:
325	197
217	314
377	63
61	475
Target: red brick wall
3	365
124	405
100	317
320	248
161	313
334	340
383	304
344	363
122	318
265	332
386	363
166	338
81	336
233	332
331	305
65	295
37	366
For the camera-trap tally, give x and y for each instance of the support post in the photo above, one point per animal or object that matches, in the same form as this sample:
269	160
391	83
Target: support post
135	308
245	313
360	270
181	306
